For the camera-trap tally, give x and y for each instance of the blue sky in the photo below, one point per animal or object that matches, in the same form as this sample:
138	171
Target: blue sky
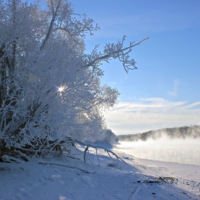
164	91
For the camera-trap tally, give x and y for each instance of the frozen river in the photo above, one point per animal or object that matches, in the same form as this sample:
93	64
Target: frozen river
171	150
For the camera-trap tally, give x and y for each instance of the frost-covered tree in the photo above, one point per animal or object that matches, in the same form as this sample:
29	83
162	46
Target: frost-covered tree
50	88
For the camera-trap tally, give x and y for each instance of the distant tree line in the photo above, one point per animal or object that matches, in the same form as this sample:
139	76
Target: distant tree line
173	133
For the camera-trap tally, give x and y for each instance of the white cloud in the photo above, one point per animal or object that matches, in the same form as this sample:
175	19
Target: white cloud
151	113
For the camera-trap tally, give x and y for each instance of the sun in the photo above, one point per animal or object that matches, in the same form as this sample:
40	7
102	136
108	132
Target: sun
61	88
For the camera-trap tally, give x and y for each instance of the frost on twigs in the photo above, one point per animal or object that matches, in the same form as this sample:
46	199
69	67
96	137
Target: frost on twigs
113	51
42	148
42	51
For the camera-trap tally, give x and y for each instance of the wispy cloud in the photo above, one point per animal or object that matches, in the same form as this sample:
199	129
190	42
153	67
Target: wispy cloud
193	105
175	88
151	113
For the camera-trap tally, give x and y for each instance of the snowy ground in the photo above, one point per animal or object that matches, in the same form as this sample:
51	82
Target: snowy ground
100	178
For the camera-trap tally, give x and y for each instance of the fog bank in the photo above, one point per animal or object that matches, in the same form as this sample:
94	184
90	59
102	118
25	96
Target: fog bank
185	151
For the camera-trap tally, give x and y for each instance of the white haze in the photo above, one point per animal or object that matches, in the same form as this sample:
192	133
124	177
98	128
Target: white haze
185	151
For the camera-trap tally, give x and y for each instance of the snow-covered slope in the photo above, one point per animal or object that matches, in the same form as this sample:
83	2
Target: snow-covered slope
102	177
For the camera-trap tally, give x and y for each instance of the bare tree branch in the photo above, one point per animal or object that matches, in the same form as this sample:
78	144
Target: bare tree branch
120	53
96	147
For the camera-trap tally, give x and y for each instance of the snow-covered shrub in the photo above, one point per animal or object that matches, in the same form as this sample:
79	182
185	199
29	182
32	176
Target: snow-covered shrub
49	88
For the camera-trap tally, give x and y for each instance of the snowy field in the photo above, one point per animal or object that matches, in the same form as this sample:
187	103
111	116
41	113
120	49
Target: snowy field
101	177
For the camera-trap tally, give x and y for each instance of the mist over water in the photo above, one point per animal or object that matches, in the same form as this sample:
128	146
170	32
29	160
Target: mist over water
185	151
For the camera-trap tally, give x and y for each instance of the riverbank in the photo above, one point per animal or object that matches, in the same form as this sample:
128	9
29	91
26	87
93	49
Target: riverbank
101	177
